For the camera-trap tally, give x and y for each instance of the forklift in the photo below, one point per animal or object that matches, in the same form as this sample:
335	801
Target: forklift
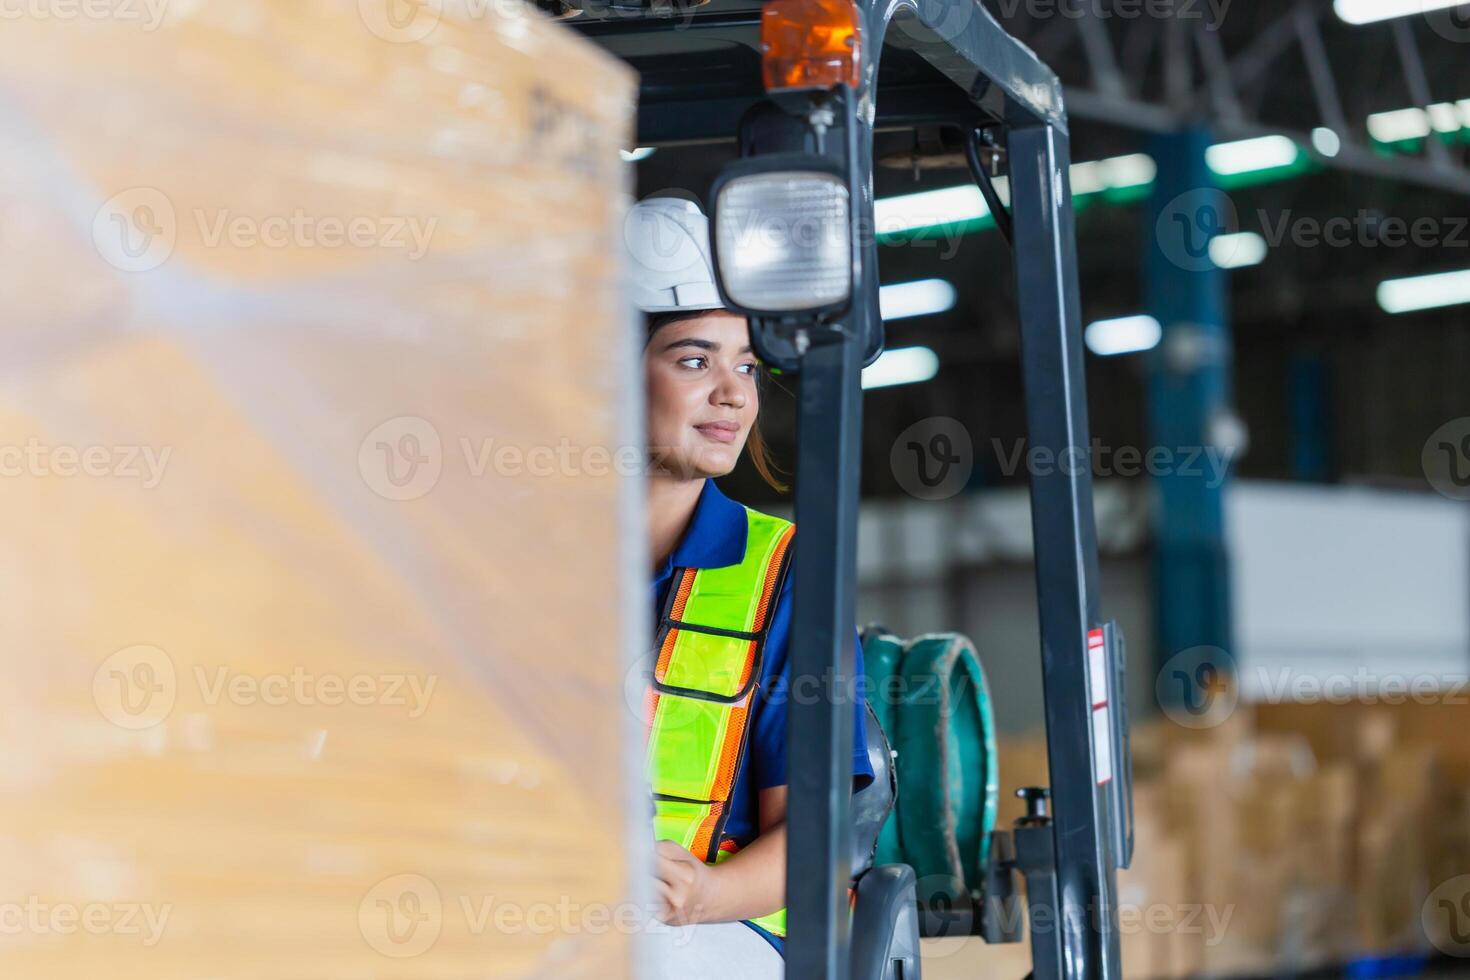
796	86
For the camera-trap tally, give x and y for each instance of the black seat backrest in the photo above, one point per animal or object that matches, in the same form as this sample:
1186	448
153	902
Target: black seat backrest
872	804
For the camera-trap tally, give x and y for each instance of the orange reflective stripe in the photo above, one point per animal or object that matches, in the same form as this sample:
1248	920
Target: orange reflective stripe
650	698
693	770
734	735
734	744
701	847
681	599
769	589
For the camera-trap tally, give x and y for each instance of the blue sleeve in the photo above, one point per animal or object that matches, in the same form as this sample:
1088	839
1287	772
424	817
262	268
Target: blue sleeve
768	724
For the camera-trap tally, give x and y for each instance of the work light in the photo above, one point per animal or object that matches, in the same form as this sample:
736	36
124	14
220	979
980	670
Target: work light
783	243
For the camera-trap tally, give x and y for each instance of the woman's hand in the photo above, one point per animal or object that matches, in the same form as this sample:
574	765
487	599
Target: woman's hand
685	884
751	883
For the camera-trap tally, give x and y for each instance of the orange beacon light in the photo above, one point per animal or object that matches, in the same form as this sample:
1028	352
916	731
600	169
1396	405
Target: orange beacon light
810	44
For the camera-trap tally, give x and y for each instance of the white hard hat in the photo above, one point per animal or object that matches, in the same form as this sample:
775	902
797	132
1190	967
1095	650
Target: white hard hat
669	256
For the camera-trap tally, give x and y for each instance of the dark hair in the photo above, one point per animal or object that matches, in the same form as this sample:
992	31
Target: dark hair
755	443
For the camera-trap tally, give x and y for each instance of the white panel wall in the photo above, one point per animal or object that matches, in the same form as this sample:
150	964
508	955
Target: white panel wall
1334	588
1347	586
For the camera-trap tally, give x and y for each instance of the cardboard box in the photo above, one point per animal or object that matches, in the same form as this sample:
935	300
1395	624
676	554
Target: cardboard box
299	684
1308	845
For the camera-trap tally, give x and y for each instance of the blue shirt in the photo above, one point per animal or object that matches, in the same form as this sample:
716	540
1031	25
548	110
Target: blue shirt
716	538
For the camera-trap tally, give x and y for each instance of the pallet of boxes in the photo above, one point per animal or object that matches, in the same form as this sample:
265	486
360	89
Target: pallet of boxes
280	697
1274	842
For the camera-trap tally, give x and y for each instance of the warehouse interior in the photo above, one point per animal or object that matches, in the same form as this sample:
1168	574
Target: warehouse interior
315	673
1336	797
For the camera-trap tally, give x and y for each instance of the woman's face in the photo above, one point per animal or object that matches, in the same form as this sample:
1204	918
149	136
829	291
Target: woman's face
700	377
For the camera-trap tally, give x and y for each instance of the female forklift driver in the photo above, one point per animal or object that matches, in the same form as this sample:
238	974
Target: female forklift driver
717	705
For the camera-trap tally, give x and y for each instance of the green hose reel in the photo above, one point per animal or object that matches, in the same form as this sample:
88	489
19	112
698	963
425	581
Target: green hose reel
931	696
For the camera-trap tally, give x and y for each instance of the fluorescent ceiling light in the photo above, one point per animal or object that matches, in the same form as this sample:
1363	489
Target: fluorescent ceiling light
919	298
637	153
1400	124
902	366
1246	156
926	209
1424	292
1415	123
1124	335
1326	141
1444	117
1088	178
1096	176
1132	170
1372	11
1237	251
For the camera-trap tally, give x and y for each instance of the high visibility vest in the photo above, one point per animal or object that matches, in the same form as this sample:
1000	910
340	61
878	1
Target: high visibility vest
710	641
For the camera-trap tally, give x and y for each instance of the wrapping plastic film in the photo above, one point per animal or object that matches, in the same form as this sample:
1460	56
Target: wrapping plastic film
304	675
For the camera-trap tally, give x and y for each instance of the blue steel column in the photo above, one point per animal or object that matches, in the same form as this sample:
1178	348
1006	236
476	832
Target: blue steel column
1188	387
1310	414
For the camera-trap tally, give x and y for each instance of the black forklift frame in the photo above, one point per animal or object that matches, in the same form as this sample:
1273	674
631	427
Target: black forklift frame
700	74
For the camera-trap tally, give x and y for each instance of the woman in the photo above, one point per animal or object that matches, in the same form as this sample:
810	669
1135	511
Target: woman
722	601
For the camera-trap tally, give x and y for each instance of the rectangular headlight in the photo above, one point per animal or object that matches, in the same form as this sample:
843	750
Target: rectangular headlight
783	236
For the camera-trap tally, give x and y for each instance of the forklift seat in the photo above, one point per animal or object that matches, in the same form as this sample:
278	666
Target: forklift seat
885	916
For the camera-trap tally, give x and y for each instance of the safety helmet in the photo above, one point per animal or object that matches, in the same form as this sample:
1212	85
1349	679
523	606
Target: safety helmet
670	263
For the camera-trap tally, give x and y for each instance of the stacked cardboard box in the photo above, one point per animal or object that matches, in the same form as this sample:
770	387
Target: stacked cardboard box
294	686
1262	849
1266	847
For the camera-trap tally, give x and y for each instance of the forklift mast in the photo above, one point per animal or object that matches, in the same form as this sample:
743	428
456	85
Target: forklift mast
944	63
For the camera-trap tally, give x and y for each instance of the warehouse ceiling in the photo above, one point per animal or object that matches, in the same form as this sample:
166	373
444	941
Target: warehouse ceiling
1309	306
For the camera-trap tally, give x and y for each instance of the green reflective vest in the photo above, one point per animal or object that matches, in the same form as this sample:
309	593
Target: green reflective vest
709	643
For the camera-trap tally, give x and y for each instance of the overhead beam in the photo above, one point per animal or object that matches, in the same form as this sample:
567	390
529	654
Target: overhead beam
1353	157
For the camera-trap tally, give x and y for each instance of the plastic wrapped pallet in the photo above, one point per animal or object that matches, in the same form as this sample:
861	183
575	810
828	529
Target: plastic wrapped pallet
316	627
